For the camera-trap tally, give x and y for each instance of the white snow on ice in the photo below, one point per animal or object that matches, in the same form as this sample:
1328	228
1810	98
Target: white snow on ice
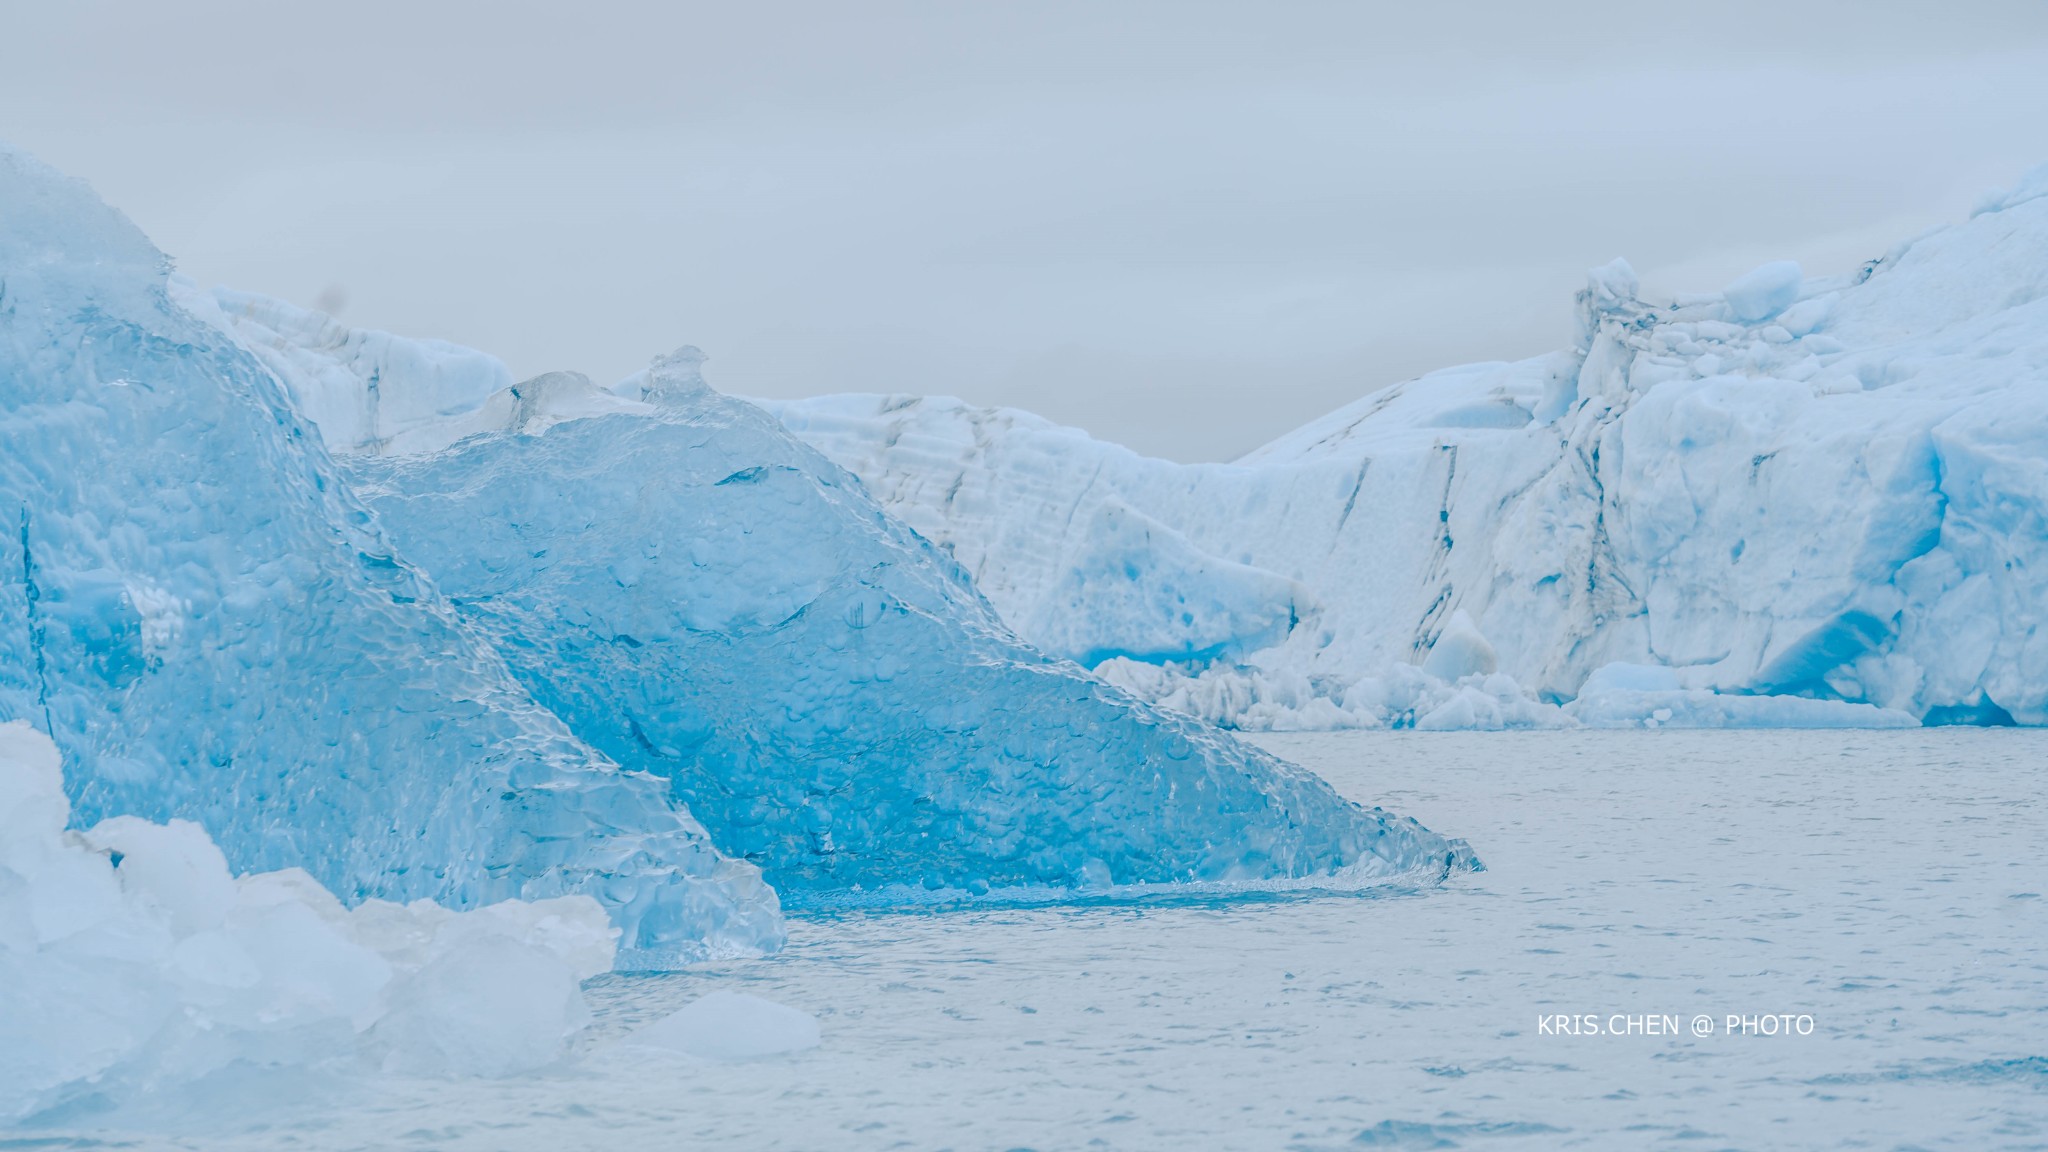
1815	501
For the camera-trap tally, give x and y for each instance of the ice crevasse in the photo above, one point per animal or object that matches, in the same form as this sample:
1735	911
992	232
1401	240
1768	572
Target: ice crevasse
1796	501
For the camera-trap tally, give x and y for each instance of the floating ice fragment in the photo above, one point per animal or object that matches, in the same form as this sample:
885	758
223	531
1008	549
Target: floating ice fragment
132	964
728	1025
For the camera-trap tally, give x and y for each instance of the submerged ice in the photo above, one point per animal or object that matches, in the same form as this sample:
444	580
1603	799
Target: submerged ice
1808	501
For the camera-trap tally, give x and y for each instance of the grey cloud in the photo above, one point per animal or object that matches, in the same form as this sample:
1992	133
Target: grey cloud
1186	227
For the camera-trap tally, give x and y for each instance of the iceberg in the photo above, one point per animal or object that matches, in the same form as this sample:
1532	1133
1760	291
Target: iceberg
215	629
705	599
1819	501
131	963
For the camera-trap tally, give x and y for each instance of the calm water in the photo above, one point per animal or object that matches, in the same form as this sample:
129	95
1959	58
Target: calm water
1890	886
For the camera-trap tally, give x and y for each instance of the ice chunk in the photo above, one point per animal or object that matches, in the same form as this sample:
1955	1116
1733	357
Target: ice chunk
1282	700
1411	697
216	630
1460	650
728	1025
482	1004
159	969
1620	707
174	866
1764	291
1806	317
1612	285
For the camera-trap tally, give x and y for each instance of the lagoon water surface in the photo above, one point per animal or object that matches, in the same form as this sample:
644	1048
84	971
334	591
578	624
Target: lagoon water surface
1888	887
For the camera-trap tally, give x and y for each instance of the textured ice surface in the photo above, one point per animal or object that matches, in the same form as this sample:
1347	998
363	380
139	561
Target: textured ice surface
1827	490
214	629
702	597
131	962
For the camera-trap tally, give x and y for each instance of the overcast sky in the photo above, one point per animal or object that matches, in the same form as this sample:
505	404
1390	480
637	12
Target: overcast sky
1186	227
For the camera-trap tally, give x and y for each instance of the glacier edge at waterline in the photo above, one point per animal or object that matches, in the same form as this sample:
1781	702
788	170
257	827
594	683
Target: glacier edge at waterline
1809	502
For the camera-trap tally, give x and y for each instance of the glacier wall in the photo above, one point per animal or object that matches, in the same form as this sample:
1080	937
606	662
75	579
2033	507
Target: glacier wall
213	628
704	598
1807	501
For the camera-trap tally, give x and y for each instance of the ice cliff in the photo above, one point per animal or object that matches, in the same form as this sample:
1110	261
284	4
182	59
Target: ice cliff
704	598
1795	501
213	628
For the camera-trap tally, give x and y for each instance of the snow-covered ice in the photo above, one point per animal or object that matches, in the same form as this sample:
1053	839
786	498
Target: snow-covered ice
1817	499
1765	291
214	628
132	963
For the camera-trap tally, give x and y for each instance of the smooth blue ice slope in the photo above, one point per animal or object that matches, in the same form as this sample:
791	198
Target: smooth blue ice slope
703	597
213	628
